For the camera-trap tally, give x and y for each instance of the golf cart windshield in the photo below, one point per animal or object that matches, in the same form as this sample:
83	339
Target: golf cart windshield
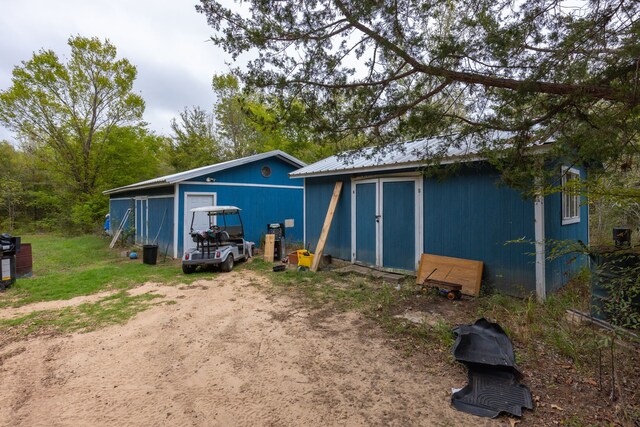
221	217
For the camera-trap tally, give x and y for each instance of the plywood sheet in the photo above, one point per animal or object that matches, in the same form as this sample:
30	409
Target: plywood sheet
269	245
458	271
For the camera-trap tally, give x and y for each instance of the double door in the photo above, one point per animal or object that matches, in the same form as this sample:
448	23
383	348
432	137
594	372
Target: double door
387	222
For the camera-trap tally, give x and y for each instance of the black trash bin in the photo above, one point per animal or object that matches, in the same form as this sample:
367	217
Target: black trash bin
149	254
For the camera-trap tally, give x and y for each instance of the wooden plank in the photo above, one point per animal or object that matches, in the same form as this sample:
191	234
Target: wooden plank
269	246
326	227
464	272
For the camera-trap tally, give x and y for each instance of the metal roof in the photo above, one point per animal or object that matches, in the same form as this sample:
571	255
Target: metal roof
186	175
396	156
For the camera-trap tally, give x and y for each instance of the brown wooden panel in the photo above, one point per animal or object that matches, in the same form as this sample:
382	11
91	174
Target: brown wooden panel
269	245
458	271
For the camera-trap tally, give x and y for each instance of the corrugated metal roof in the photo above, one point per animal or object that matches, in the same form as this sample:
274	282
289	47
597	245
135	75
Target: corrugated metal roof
186	175
397	156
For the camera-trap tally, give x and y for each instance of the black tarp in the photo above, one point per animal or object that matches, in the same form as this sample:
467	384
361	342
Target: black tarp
494	378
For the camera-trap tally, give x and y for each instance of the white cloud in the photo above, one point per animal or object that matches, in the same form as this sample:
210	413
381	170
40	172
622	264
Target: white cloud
166	39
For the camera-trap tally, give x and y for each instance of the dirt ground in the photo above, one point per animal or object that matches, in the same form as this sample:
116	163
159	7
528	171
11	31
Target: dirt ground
225	353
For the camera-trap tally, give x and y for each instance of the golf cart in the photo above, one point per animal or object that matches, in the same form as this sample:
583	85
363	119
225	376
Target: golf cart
221	244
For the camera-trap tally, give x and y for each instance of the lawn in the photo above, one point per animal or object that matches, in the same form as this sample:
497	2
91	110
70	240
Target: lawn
67	267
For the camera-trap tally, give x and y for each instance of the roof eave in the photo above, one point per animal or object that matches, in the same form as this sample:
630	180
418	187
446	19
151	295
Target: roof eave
134	187
384	168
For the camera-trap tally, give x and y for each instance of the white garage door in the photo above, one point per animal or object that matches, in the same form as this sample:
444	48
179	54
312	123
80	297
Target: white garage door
201	221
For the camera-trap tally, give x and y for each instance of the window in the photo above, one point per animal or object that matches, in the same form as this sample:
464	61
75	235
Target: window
266	171
570	196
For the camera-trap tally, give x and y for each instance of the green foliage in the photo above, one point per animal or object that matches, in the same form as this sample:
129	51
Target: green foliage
11	197
71	108
72	119
193	143
249	123
131	155
486	74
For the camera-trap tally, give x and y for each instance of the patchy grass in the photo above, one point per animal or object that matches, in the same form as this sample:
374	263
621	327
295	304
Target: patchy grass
531	324
574	367
66	267
114	309
373	297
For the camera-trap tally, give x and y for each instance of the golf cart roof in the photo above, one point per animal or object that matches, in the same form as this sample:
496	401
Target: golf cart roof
217	209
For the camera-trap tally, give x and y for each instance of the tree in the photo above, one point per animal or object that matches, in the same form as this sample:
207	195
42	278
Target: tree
193	143
237	134
70	109
11	189
534	71
248	122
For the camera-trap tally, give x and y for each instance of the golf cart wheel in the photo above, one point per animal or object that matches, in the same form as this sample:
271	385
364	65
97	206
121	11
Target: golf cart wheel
227	265
188	269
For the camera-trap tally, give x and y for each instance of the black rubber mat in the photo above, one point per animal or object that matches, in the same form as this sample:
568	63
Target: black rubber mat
493	386
483	342
492	391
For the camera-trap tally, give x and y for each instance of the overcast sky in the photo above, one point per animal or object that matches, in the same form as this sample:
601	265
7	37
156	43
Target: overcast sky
167	40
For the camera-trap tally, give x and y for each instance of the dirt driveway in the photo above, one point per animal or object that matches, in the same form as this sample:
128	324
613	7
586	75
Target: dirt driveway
225	353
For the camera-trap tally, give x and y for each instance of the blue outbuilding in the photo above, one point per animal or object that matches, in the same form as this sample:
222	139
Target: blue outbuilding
389	212
259	185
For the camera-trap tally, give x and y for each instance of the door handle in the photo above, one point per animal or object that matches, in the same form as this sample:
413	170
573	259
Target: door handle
378	218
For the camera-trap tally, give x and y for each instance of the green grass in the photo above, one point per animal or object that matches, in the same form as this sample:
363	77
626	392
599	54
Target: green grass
65	267
531	323
114	309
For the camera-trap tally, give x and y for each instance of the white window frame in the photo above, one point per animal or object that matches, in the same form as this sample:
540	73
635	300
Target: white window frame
570	199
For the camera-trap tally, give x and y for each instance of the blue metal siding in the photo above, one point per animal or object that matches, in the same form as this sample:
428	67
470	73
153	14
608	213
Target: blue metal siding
251	173
560	270
398	231
472	216
117	209
260	206
317	198
160	224
366	223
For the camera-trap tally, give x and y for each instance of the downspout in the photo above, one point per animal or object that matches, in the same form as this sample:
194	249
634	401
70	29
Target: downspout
176	228
541	283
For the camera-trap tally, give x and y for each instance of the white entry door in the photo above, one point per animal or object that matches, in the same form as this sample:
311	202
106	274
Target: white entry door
201	221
